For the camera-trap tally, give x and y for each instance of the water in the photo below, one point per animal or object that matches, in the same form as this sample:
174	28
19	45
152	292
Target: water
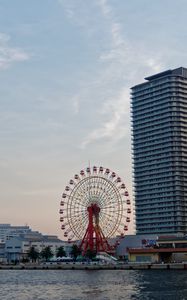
97	285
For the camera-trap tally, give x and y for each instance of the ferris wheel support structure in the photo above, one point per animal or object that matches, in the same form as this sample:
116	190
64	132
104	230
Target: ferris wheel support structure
94	238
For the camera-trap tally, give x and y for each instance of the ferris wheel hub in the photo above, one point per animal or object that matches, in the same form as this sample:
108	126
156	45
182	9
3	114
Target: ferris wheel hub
94	208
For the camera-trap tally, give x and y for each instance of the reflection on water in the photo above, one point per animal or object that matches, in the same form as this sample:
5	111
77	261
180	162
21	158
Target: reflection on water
97	285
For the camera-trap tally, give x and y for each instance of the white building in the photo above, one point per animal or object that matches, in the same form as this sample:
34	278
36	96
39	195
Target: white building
15	242
8	231
17	247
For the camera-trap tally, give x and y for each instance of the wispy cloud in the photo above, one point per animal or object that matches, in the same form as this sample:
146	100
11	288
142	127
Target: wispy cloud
121	62
68	8
114	128
106	9
119	66
9	54
76	104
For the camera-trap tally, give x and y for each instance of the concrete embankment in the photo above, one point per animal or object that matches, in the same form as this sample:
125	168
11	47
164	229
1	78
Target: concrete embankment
174	266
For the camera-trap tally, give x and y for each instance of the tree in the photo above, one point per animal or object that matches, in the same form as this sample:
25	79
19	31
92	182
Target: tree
33	254
46	253
75	251
90	254
60	252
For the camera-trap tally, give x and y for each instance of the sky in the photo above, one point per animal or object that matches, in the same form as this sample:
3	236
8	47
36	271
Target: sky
66	69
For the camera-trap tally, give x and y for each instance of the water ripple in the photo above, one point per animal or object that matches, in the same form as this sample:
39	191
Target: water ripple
96	285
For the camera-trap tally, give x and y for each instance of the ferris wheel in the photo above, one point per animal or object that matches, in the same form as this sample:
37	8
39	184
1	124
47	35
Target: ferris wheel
95	206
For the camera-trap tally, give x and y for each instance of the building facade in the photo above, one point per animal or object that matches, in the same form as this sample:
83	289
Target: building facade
15	242
17	247
134	241
8	231
159	133
168	249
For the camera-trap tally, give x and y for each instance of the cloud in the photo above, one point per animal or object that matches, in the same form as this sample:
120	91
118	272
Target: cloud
122	65
106	9
9	54
105	94
76	104
155	65
117	120
68	7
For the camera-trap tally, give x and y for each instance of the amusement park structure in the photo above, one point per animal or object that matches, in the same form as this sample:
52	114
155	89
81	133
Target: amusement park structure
95	207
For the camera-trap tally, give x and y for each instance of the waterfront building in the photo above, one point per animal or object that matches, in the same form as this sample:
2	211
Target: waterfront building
17	248
134	241
168	249
15	242
159	133
2	252
8	231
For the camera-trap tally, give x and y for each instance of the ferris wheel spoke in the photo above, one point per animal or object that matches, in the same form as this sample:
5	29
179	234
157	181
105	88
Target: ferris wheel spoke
113	194
107	207
81	221
80	227
80	217
83	198
78	197
116	220
107	197
78	208
77	225
75	206
109	186
111	210
73	216
108	220
76	215
111	213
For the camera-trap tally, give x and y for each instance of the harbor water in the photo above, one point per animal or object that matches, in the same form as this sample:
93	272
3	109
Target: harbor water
90	284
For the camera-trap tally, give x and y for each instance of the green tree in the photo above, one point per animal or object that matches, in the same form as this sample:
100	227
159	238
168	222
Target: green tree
75	251
90	254
33	254
46	253
60	252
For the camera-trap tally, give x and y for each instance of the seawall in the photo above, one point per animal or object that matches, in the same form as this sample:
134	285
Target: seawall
70	266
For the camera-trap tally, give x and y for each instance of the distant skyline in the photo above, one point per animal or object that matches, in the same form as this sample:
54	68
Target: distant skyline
66	69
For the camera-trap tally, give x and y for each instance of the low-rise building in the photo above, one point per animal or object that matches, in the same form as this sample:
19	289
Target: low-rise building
15	242
134	241
8	231
17	248
168	249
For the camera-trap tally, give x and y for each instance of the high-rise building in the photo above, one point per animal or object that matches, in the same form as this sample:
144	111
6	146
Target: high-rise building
159	127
